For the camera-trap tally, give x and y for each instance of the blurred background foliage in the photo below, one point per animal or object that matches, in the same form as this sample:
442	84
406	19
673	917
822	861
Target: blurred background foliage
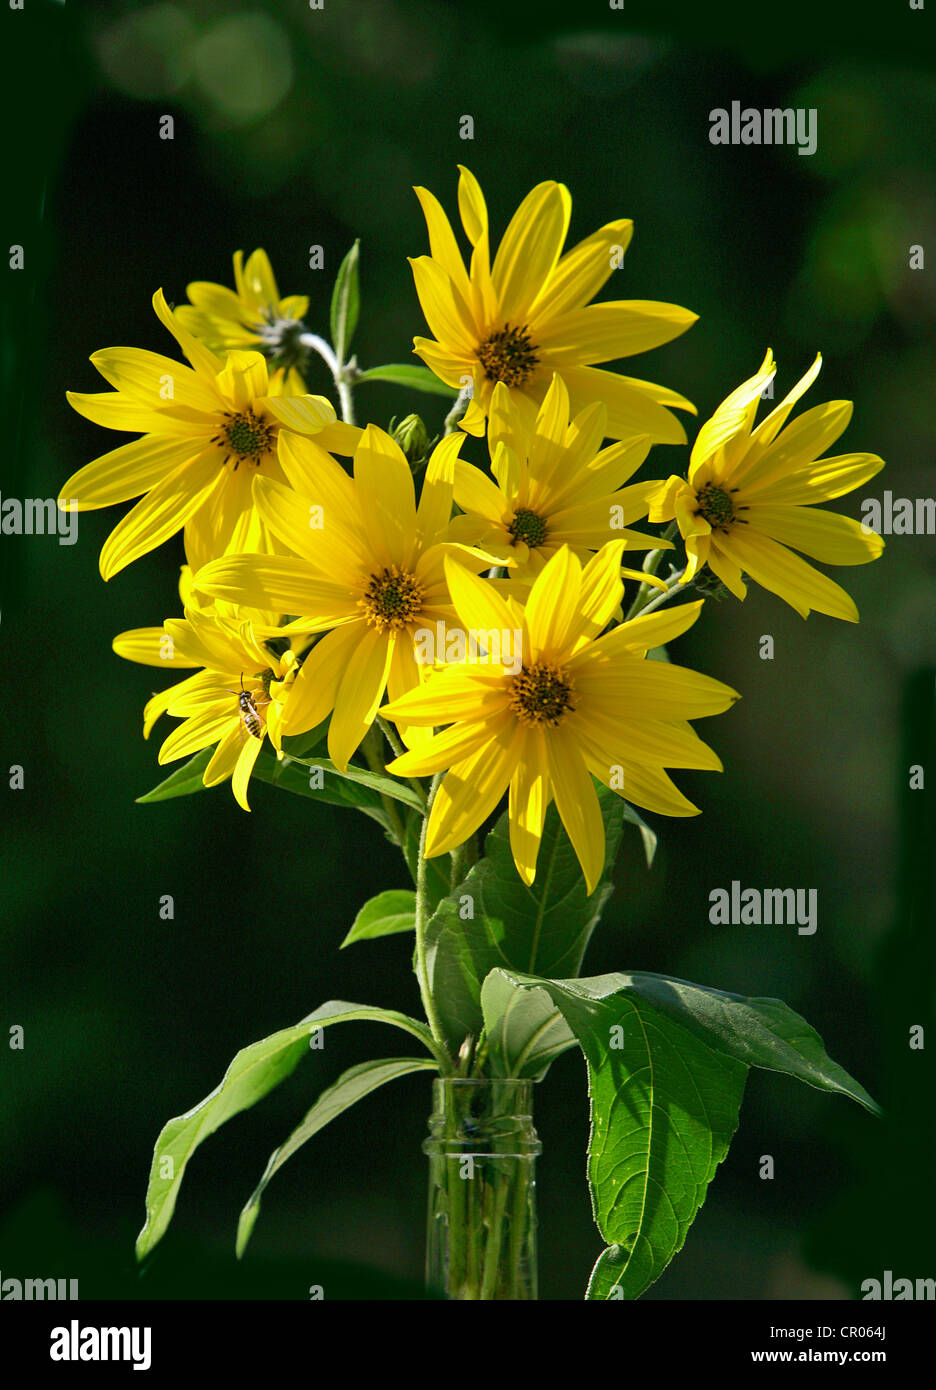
297	127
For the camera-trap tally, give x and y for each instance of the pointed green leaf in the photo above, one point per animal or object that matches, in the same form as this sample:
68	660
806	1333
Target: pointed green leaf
345	304
183	781
388	913
351	1087
492	918
667	1062
761	1032
408	374
253	1073
379	782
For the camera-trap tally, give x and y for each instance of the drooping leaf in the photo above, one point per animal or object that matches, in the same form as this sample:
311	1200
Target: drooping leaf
183	781
351	1087
407	374
761	1032
252	1074
345	303
390	912
667	1062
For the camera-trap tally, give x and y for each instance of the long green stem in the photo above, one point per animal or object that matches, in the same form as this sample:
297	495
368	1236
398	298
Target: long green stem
458	409
345	396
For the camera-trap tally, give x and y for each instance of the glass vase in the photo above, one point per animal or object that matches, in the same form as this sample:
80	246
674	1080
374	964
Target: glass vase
482	1148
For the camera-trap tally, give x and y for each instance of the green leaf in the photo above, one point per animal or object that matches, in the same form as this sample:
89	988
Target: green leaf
345	303
407	374
379	782
253	1073
664	1108
492	918
303	745
761	1032
183	781
648	836
524	1028
460	951
351	1087
667	1061
355	788
388	913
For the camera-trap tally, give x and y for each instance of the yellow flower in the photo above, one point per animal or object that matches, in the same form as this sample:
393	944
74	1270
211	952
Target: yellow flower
368	573
580	705
207	429
235	700
553	487
528	315
750	491
250	316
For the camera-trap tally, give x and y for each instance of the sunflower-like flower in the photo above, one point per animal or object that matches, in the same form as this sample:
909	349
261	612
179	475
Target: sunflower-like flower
252	315
554	485
750	492
581	705
235	700
207	430
528	315
367	572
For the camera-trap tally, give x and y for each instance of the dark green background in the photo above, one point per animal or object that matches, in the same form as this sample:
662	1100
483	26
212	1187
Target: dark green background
309	127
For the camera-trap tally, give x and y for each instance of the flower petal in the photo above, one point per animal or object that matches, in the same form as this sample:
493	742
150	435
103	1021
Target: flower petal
472	788
205	362
279	583
826	536
529	798
632	408
240	778
304	414
553	614
774	567
164	510
313	693
581	272
530	249
363	683
576	802
387	498
605	332
130	470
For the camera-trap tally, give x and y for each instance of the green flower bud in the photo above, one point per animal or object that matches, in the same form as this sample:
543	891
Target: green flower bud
413	438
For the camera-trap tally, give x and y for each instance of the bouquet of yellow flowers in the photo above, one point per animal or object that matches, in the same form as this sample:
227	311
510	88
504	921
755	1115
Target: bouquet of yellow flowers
467	652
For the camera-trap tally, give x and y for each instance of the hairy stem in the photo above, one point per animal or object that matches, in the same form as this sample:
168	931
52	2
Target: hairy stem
458	409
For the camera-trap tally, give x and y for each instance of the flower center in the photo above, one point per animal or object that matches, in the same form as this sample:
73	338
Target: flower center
508	356
542	694
528	527
245	436
716	506
392	599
